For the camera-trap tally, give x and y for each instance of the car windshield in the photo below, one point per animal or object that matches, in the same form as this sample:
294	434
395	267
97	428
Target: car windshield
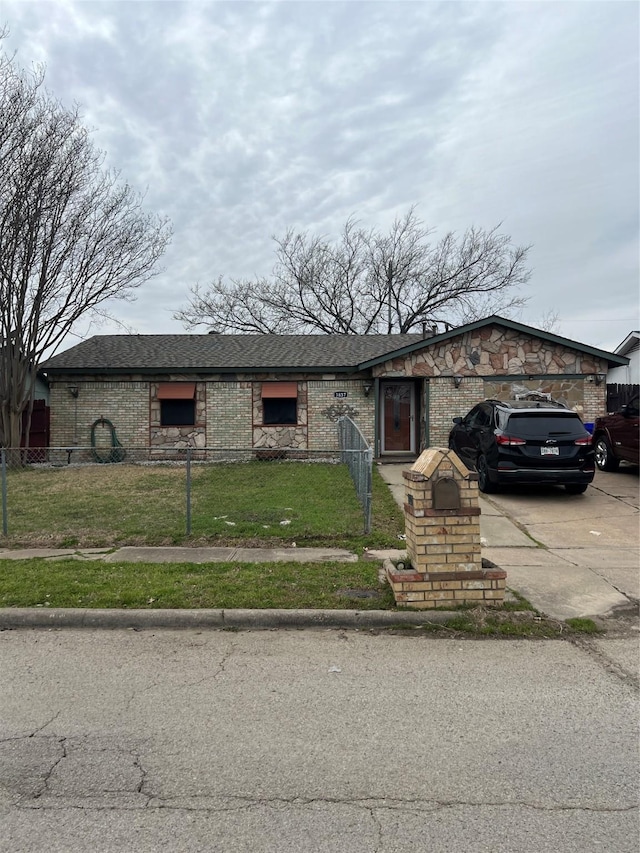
547	425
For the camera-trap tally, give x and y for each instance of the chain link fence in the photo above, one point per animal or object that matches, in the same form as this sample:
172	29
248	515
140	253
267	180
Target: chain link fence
357	457
56	457
356	453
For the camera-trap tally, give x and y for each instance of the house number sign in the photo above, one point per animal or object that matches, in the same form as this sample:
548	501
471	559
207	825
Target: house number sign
340	394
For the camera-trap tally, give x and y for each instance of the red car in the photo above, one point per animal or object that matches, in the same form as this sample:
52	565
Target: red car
616	437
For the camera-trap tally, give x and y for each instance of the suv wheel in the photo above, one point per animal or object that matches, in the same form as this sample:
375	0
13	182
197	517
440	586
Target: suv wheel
605	460
576	488
484	482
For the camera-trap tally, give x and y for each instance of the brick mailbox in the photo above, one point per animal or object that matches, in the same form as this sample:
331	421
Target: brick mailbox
442	524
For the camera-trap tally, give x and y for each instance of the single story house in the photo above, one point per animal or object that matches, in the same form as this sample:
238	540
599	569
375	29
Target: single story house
252	392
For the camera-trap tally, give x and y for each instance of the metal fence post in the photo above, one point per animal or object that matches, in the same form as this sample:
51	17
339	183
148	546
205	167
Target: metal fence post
188	491
5	523
368	490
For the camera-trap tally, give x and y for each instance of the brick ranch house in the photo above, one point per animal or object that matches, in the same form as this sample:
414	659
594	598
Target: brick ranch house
257	392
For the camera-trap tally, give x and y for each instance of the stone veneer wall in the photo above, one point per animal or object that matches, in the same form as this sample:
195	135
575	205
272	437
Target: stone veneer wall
579	394
492	351
124	403
324	409
275	436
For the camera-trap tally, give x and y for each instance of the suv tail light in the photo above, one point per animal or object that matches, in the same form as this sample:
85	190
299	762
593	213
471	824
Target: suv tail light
583	442
509	439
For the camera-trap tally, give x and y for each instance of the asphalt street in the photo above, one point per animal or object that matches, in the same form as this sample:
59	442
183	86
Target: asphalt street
315	740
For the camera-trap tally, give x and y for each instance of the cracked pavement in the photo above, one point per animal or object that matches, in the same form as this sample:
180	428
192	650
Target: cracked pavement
316	740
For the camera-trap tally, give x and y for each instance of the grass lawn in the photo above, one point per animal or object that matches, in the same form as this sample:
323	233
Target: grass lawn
88	583
254	503
81	583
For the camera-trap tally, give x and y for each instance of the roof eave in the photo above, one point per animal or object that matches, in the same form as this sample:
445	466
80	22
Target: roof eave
627	342
110	370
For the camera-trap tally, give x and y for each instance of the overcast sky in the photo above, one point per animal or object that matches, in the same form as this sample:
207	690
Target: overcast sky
242	119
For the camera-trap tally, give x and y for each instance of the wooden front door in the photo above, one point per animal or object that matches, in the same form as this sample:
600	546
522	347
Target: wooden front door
397	411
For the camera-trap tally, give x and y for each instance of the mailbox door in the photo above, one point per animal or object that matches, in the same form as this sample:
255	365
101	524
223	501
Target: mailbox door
398	417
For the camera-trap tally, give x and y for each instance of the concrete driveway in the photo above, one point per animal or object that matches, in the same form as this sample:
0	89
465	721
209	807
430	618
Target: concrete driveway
570	555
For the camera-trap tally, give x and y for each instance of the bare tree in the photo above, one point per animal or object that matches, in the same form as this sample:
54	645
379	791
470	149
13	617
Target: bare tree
369	283
72	235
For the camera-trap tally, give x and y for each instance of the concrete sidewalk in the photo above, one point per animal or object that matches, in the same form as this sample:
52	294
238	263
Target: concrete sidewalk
172	554
561	582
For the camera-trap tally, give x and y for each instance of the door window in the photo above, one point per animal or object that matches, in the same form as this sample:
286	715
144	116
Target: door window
397	417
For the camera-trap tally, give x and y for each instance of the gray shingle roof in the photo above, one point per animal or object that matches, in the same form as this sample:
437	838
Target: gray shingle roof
218	353
131	353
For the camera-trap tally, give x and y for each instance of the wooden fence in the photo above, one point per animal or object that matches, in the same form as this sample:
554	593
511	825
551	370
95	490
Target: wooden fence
619	395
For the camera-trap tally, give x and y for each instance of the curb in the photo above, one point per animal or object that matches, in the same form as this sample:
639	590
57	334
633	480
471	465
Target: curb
28	617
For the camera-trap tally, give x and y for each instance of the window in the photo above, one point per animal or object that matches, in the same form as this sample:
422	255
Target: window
275	411
279	403
477	418
482	417
545	425
177	412
177	403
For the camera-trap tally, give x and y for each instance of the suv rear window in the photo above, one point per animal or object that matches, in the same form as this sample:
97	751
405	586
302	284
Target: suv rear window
537	426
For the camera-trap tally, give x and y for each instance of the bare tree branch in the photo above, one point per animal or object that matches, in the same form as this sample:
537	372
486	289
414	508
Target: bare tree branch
367	282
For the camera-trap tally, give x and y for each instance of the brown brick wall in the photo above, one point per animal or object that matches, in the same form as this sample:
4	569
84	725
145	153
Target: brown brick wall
447	402
125	404
324	409
229	415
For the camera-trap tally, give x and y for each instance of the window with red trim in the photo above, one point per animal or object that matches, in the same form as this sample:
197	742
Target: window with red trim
279	403
177	403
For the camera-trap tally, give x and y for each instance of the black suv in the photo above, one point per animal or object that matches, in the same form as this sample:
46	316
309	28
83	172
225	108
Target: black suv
524	443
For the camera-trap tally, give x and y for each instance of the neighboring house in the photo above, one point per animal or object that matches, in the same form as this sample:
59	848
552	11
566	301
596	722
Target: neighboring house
39	422
627	374
287	391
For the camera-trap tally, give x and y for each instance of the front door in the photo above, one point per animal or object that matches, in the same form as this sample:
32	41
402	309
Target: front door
398	417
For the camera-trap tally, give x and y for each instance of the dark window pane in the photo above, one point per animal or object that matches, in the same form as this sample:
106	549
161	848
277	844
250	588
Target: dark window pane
483	418
531	426
279	411
177	412
472	418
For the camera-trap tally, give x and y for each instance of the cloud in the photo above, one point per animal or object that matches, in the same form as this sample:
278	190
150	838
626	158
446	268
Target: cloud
240	120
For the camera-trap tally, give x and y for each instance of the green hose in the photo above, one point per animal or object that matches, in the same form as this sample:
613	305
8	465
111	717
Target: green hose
116	453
